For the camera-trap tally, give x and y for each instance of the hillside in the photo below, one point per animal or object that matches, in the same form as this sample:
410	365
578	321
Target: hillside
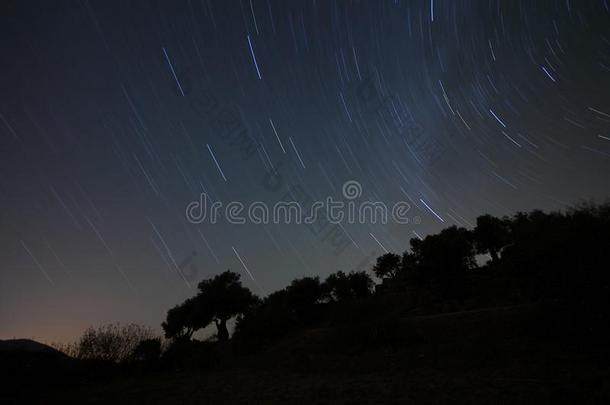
479	356
27	346
529	326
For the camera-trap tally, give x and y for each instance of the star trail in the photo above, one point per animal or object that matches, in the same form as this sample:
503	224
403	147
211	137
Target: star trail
114	116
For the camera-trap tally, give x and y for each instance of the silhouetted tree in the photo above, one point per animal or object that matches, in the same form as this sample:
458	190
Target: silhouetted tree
409	266
537	256
302	296
340	286
562	255
490	235
221	298
297	305
264	323
387	266
180	320
443	259
447	252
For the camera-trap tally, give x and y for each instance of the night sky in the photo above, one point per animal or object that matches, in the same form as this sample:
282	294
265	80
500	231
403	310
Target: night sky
115	115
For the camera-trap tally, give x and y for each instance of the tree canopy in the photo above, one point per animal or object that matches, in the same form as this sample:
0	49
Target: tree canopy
219	299
534	256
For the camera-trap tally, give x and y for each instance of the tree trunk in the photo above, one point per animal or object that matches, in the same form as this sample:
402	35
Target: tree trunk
494	255
223	332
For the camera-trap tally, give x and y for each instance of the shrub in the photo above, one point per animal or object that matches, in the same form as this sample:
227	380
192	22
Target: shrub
112	342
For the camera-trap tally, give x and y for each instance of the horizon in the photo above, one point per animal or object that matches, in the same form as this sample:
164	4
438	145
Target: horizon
209	331
116	119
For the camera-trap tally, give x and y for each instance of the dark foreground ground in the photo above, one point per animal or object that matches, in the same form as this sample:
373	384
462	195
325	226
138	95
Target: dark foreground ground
495	356
421	386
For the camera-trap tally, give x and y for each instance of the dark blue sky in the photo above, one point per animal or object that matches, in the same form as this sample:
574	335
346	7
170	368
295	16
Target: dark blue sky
112	114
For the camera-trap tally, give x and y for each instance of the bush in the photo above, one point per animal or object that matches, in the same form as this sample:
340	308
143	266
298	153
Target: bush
113	342
147	351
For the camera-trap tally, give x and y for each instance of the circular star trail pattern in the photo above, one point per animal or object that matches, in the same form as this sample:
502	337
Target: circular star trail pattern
115	115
